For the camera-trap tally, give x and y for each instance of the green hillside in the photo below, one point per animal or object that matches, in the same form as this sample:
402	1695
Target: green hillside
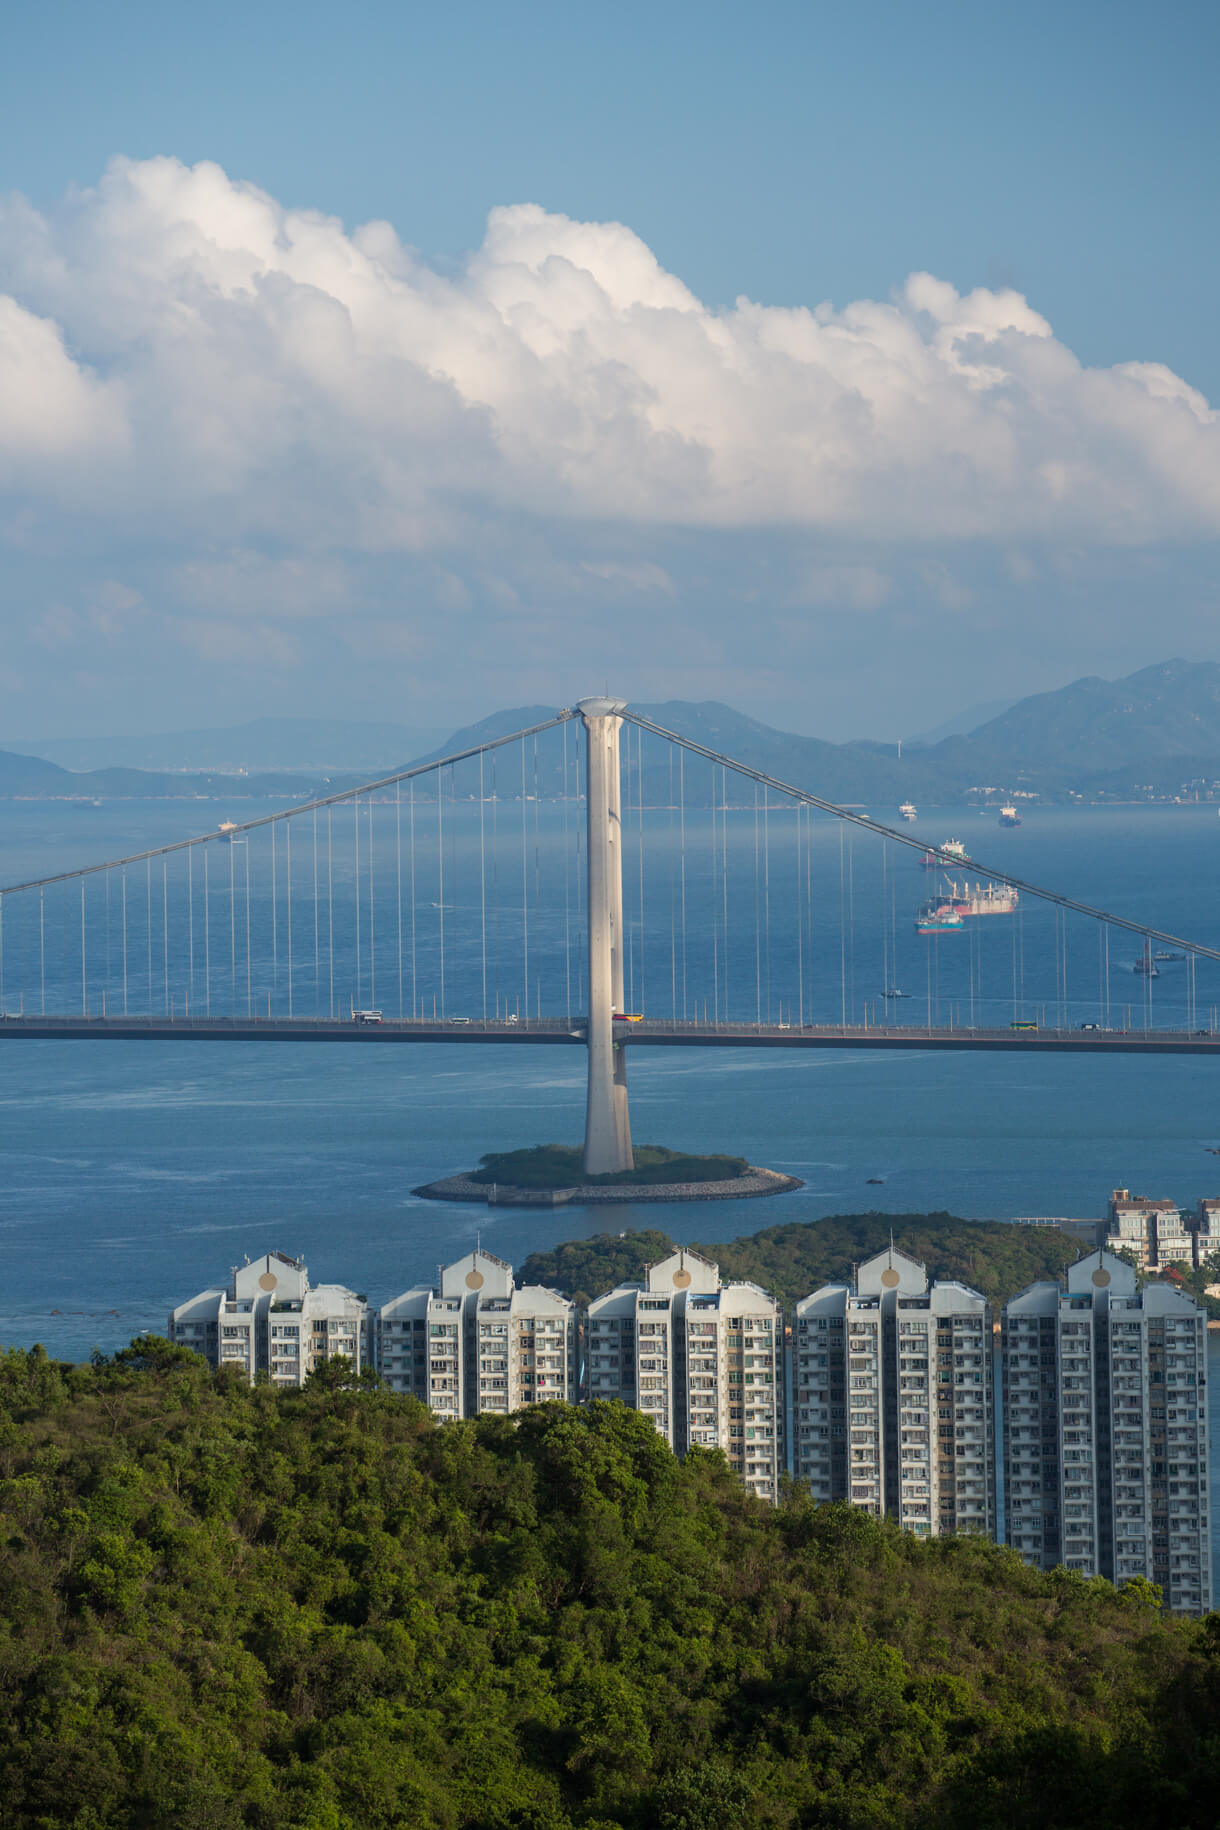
223	1608
793	1260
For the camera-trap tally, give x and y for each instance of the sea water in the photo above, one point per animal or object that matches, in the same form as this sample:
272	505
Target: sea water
135	1174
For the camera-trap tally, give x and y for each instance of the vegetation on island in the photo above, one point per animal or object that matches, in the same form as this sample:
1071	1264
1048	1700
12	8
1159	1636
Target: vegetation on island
561	1166
224	1607
796	1258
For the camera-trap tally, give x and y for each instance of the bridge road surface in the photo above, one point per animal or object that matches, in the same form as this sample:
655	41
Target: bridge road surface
654	1033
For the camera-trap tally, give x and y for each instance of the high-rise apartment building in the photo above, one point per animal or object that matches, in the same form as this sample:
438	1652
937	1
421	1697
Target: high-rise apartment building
270	1319
1207	1229
1155	1233
1105	1430
704	1360
478	1343
893	1406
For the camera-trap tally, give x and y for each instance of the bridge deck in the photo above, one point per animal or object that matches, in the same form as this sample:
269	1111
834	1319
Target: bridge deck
557	1030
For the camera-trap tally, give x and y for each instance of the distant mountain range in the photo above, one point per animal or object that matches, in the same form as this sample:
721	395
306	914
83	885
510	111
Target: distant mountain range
294	746
1143	737
1136	738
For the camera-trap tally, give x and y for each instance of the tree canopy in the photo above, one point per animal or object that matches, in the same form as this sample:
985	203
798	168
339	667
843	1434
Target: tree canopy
225	1607
562	1166
794	1259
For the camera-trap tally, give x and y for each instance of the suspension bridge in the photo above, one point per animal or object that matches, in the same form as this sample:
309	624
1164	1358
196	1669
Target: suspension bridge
596	881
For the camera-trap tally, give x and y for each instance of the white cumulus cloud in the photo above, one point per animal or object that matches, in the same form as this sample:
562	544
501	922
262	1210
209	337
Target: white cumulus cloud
195	357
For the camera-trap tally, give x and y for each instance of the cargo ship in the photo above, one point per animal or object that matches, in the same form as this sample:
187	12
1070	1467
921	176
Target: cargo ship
959	902
983	899
951	852
1009	816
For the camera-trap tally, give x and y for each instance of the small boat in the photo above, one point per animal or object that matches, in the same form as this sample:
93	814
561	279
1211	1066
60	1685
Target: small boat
951	852
935	918
908	812
894	992
1009	816
873	1181
1146	966
1164	953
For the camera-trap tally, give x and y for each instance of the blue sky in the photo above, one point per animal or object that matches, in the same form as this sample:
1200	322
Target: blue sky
494	545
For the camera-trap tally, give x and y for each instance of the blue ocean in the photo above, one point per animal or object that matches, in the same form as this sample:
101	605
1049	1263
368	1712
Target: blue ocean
135	1174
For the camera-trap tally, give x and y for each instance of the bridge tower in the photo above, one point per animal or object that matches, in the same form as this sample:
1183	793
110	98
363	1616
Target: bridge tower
607	1123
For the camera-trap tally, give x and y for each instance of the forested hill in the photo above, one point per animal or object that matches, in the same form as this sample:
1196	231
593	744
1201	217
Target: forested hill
1141	736
226	1608
792	1261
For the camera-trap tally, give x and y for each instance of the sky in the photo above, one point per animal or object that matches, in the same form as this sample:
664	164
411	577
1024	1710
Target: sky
847	365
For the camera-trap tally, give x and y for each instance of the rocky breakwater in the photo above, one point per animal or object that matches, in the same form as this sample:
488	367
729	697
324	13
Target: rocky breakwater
754	1181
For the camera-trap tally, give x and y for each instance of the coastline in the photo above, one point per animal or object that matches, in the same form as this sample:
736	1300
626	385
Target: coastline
755	1182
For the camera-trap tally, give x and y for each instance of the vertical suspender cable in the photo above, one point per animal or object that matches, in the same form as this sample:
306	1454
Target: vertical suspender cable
123	885
537	879
724	879
372	920
164	925
190	926
851	919
148	925
288	874
767	895
330	912
525	913
359	999
715	896
757	918
232	924
843	941
398	882
885	936
639	791
275	918
207	942
810	830
682	866
673	913
440	862
567	888
483	874
414	1005
317	956
84	983
42	951
246	899
1014	934
498	981
581	865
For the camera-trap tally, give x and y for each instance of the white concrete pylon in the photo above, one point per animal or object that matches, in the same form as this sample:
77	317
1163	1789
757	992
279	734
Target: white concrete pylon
607	1123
